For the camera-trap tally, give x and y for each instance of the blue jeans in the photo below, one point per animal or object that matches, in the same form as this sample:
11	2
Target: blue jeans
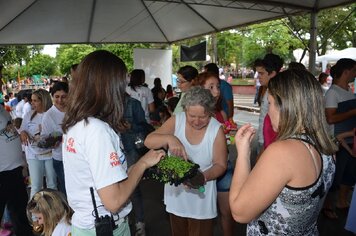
345	173
38	169
256	95
223	183
58	168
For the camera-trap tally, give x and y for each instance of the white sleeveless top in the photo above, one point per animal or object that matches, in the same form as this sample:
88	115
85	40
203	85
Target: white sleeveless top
191	203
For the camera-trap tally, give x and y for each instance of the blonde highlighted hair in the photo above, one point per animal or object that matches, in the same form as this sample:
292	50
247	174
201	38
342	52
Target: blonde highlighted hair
45	97
299	97
53	206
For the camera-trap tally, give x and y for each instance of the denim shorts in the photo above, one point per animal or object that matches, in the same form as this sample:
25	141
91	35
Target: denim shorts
345	173
223	182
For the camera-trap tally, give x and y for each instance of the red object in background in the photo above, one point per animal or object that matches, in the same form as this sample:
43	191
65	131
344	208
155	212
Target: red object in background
7	108
229	125
269	135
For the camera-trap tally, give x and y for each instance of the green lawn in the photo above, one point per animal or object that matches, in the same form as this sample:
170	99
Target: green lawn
240	81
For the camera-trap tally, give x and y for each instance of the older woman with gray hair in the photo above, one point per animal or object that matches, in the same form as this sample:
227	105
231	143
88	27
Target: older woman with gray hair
196	136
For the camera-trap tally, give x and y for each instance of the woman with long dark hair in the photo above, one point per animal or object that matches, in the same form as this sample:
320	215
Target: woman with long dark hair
92	155
136	90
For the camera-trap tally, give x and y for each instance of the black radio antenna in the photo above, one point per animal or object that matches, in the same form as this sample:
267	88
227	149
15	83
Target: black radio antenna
94	203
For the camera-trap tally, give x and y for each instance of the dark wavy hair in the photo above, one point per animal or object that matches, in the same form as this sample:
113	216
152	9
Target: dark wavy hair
59	86
340	66
98	90
137	78
212	67
271	62
189	73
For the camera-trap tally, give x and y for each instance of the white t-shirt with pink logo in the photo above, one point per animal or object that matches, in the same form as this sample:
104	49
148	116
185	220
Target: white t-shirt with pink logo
92	157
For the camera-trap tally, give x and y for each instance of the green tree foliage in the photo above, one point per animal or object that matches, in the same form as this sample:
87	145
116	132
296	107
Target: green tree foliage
69	54
18	54
336	28
125	52
41	64
270	37
13	57
229	45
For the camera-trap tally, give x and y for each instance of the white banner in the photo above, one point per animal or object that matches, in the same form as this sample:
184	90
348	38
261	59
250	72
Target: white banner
155	63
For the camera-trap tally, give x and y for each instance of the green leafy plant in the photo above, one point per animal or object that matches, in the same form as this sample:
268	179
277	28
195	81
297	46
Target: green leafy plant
173	170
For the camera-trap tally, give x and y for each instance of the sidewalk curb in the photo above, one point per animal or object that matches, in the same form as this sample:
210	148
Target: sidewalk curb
247	108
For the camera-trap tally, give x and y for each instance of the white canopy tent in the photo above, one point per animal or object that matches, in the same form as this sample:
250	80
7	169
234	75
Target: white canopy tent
335	56
129	21
124	21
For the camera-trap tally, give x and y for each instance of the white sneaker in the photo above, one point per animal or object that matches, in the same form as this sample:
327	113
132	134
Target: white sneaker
140	229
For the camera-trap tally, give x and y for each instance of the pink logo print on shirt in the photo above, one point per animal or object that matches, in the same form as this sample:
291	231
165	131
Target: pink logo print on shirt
114	160
70	145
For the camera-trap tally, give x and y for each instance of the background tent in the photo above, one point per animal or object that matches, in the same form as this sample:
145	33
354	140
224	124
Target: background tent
335	56
130	21
161	21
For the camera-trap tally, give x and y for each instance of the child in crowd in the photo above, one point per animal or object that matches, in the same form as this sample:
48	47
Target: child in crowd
164	114
171	104
49	209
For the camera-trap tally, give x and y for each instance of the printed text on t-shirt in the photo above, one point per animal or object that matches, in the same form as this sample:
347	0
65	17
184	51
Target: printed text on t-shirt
70	145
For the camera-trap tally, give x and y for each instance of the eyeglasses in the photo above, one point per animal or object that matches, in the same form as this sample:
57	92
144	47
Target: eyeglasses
180	81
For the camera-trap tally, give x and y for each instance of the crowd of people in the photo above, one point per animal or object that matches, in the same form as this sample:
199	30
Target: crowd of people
92	138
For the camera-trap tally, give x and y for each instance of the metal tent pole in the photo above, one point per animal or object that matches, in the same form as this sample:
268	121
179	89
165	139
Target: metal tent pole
312	41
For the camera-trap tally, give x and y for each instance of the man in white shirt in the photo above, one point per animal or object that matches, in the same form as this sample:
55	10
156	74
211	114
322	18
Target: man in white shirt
341	115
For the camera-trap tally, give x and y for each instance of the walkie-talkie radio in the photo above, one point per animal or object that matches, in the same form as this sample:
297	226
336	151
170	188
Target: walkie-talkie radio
103	224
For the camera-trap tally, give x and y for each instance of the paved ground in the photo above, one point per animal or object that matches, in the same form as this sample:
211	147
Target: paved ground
157	221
